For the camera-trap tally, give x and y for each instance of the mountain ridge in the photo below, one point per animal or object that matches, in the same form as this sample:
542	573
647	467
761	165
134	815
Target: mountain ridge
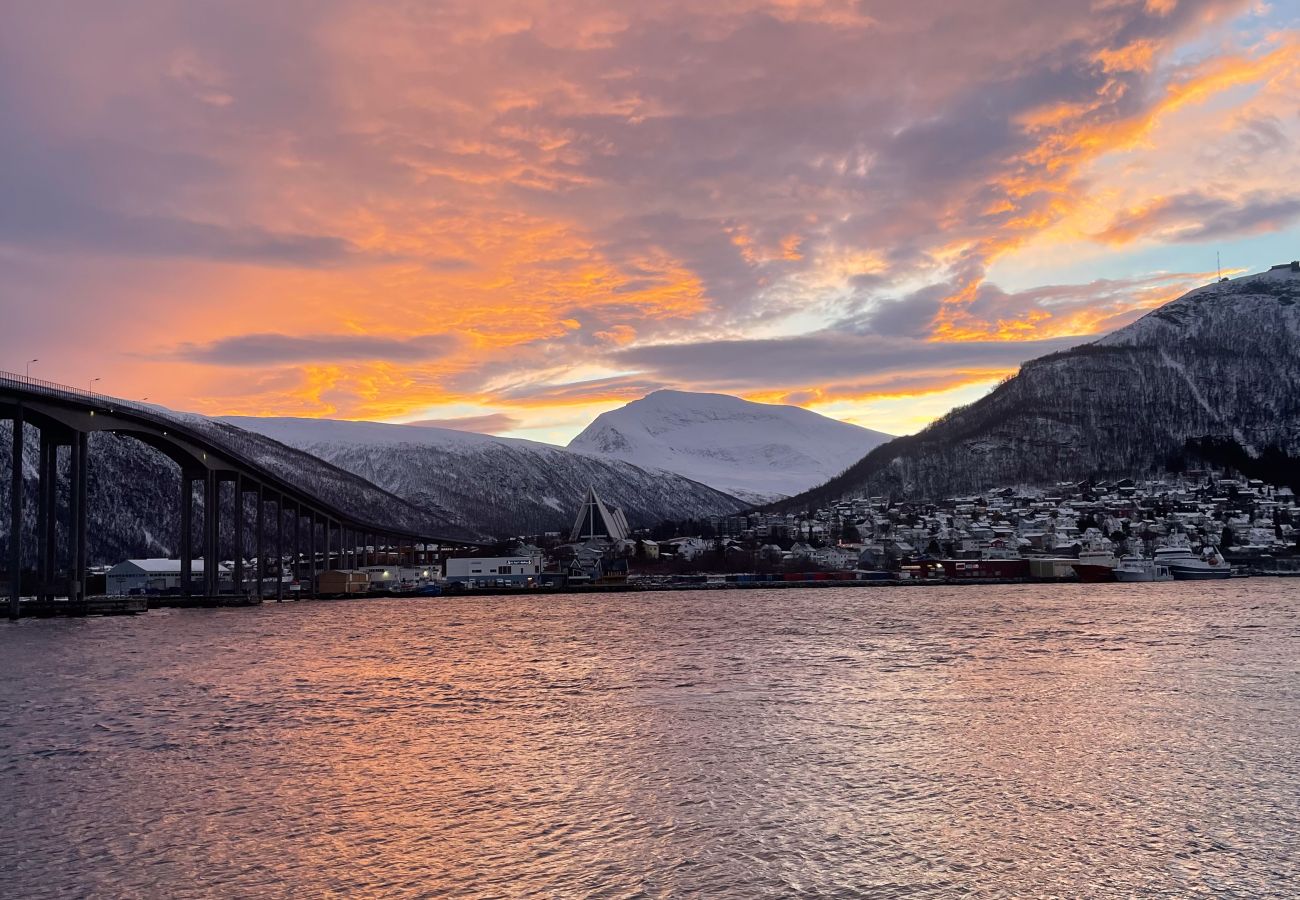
1218	363
506	486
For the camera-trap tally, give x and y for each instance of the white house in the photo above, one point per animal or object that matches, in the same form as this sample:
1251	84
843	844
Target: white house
835	557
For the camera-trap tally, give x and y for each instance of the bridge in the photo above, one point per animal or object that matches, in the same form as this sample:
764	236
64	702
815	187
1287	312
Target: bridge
358	524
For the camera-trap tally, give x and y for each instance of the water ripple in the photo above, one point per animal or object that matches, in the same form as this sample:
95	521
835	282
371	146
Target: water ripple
1107	741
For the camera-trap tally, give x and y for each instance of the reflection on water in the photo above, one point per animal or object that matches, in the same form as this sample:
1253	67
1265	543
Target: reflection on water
921	742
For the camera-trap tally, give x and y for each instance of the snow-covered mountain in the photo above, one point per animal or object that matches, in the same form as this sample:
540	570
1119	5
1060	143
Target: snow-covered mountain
441	482
757	451
503	486
1212	376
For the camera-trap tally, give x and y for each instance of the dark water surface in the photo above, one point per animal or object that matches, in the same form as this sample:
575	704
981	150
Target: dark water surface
1076	741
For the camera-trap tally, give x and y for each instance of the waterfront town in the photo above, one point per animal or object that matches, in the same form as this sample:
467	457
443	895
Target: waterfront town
1201	524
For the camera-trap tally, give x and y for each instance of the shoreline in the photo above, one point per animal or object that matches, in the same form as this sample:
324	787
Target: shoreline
132	605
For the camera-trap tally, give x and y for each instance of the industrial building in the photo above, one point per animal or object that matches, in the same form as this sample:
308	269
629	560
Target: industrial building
495	571
391	578
140	575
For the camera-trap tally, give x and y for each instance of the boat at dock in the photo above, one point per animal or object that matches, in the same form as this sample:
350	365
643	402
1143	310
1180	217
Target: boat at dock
1095	565
1186	565
1137	568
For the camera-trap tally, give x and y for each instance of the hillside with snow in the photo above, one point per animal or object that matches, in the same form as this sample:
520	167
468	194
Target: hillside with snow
757	451
501	486
1212	377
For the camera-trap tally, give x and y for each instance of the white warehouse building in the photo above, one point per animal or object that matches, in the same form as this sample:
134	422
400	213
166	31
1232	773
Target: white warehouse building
158	574
489	571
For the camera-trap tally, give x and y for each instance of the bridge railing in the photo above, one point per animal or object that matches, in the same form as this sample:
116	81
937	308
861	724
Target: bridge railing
50	387
67	392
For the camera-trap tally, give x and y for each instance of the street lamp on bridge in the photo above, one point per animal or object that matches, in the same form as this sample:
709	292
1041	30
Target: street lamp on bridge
91	387
29	366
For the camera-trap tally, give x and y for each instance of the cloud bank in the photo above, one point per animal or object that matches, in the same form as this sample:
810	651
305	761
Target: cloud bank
303	208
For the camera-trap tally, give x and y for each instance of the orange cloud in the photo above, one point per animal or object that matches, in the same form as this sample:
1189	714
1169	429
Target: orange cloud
562	183
1069	137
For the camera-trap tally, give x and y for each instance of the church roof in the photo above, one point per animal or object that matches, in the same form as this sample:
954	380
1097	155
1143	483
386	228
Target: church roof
596	520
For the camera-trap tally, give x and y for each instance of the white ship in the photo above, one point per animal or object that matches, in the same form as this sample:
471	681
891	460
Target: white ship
1137	568
1188	566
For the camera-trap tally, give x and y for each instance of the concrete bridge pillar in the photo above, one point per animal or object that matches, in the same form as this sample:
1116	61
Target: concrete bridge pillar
49	536
238	509
311	554
211	558
16	518
297	545
77	523
279	547
187	533
259	525
43	488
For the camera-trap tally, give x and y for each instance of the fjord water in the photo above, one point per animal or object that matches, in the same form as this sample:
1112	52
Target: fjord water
921	742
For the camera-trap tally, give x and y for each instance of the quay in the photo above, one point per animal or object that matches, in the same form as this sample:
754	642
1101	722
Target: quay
102	606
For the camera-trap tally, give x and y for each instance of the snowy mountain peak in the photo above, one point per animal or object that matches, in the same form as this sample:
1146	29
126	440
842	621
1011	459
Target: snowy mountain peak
752	450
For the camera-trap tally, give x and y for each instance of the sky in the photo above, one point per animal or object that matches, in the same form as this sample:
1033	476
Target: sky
511	216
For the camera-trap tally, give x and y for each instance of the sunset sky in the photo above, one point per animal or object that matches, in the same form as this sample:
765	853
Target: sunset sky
511	216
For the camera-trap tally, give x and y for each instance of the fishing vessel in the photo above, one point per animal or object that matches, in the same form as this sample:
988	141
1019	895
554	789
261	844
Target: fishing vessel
1096	564
1186	565
1138	568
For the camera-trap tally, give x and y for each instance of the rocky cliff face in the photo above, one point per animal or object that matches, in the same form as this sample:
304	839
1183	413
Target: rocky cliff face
1219	363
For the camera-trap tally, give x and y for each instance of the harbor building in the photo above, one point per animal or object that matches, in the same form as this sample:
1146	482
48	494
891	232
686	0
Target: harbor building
140	575
495	571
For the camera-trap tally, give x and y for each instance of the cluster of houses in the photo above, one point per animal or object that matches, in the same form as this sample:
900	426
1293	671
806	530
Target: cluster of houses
1245	519
1249	522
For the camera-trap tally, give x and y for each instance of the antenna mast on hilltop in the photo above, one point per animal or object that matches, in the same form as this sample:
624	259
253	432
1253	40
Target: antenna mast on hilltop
1218	264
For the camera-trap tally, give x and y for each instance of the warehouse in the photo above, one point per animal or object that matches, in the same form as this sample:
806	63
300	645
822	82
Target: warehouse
494	571
141	575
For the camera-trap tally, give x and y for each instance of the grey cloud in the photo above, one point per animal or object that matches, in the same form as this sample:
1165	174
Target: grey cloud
822	357
490	423
448	264
76	196
1193	216
1112	298
627	387
908	317
273	349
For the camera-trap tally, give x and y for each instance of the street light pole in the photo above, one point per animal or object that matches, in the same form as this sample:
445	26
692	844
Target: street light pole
91	388
29	366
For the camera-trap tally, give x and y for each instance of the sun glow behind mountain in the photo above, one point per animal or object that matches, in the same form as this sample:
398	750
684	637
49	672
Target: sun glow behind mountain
524	214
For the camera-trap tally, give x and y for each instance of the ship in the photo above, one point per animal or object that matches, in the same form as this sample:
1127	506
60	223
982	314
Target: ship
1096	564
1185	565
1137	568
